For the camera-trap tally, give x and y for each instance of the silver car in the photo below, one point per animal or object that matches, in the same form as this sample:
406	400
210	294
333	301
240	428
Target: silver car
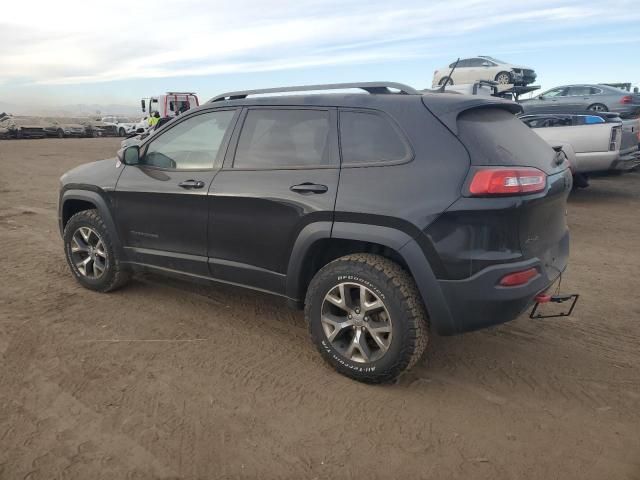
576	98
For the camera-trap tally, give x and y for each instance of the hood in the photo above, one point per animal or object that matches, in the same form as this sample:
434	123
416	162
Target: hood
102	174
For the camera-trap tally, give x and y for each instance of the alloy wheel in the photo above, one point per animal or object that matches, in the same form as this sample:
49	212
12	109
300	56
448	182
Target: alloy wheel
504	79
88	253
356	322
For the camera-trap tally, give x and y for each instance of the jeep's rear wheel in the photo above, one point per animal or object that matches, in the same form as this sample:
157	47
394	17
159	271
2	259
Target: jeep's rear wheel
90	253
366	317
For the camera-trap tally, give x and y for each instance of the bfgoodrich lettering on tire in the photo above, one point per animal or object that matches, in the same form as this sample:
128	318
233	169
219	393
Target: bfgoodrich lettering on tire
366	317
90	253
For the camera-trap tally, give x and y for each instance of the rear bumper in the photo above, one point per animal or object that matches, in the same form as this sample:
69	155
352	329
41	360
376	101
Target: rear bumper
480	301
457	306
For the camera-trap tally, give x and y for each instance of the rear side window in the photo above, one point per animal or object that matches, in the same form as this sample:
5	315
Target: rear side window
496	137
282	138
370	138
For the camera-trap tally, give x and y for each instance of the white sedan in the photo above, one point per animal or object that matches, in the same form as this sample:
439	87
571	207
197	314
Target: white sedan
470	70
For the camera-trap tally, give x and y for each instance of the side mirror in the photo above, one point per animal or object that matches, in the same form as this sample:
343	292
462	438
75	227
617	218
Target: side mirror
486	64
540	97
129	155
143	105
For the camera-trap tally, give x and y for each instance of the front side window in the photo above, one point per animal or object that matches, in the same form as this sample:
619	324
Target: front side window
370	138
283	138
192	144
556	92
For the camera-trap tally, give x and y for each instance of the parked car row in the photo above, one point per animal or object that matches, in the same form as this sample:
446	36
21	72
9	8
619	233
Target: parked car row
597	126
14	126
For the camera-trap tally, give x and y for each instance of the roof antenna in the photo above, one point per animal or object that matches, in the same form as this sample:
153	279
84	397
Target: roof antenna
449	77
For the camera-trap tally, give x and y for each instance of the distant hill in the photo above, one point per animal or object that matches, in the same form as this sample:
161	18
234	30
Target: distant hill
77	110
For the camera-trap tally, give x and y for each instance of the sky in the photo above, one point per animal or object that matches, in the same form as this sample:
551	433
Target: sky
116	52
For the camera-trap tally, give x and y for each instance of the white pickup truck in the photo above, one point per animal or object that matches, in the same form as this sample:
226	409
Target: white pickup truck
591	142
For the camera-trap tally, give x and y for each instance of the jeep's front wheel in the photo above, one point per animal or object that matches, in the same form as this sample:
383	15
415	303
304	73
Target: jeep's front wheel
90	253
366	317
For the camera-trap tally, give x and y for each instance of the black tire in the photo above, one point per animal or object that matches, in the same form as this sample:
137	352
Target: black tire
399	294
506	78
114	275
60	133
445	81
121	132
597	107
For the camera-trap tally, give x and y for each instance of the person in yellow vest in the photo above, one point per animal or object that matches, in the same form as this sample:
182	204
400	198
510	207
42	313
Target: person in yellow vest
153	119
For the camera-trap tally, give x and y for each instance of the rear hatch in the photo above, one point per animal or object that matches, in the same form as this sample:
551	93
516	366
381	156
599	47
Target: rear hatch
495	137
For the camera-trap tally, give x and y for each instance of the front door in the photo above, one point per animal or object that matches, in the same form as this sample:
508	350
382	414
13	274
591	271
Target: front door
160	204
280	176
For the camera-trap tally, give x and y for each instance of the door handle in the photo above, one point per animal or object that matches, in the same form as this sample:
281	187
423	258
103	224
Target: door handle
307	187
189	184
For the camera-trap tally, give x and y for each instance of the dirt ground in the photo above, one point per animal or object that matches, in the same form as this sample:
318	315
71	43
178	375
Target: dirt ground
165	379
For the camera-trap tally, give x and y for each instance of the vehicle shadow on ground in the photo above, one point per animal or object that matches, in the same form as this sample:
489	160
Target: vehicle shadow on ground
604	188
459	359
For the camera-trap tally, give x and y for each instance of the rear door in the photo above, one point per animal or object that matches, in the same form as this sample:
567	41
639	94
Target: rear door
579	97
161	206
280	175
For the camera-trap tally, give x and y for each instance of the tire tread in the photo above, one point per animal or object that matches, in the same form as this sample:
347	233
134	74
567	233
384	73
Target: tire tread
417	319
120	275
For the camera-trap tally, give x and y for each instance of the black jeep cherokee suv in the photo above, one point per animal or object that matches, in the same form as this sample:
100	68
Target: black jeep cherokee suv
384	214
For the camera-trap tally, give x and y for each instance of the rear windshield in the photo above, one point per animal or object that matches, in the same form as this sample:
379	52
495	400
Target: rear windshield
496	137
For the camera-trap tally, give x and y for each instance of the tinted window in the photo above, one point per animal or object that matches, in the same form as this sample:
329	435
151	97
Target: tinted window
580	90
496	137
279	138
595	91
556	92
370	138
475	62
191	144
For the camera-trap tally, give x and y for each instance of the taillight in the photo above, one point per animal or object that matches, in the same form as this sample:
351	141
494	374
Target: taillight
507	181
626	99
519	278
615	134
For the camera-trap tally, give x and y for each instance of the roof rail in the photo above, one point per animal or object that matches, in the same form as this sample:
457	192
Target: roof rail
370	87
180	93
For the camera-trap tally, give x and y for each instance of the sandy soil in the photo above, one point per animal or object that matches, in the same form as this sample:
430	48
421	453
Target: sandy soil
168	380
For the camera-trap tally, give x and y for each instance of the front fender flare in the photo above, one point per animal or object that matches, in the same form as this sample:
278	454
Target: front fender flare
101	204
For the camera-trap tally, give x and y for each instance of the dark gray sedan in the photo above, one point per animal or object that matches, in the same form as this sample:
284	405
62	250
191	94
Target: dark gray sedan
573	98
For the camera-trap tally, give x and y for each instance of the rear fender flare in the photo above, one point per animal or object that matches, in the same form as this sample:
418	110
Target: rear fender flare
397	240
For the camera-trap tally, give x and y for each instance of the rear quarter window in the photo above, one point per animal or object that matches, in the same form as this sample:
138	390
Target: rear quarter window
496	137
371	138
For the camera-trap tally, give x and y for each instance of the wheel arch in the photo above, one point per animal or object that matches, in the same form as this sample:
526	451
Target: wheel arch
319	244
75	200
